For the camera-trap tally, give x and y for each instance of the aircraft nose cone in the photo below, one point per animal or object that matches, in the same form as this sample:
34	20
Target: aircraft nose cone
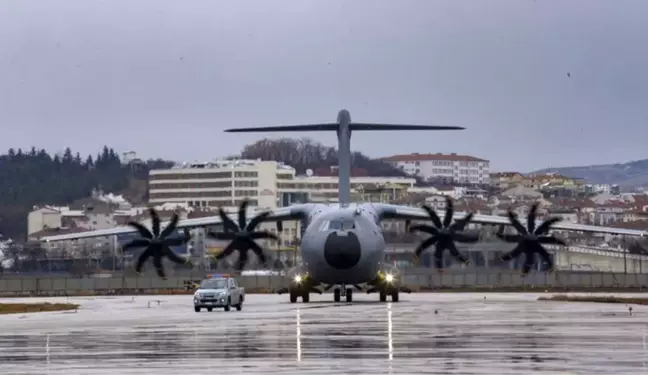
342	251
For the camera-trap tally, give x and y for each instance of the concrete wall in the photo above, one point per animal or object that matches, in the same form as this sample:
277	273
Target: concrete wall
415	278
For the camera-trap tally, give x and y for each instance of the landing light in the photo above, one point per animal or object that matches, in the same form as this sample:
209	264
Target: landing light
389	277
297	279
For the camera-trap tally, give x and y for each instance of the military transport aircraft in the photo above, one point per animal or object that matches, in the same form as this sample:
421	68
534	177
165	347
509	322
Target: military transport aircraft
342	244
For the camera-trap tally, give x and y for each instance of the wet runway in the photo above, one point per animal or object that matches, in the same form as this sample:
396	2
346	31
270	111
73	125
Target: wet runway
502	334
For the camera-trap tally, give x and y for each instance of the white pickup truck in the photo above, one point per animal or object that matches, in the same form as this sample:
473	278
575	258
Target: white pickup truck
220	291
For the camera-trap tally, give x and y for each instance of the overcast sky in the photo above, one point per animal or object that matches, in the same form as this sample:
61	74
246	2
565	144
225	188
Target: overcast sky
165	77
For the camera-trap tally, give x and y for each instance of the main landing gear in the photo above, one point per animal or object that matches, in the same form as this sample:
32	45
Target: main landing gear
301	286
387	285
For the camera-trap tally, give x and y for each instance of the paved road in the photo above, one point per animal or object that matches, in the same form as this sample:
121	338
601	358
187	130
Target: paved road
502	334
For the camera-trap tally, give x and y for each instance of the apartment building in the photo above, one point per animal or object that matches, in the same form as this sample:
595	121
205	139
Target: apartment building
266	184
449	167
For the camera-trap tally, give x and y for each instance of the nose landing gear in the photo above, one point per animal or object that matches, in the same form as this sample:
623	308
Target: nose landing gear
343	291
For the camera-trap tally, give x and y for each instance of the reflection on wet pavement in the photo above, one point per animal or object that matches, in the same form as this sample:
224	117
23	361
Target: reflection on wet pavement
505	334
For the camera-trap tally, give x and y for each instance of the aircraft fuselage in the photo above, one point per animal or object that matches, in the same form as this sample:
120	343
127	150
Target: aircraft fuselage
343	244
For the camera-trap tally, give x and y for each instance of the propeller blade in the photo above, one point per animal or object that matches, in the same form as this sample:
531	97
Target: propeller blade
142	258
449	212
455	253
529	262
143	231
433	216
173	242
512	238
551	240
155	222
513	253
242	261
424	228
438	257
459	225
229	249
242	213
157	263
546	258
228	224
263	236
222	236
532	217
173	256
258	251
516	223
170	227
138	242
258	219
465	237
424	245
546	226
187	235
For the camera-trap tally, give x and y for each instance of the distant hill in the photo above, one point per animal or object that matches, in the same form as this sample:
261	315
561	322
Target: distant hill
626	175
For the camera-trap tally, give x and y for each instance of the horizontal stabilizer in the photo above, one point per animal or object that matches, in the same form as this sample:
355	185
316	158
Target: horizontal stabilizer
286	128
374	127
333	127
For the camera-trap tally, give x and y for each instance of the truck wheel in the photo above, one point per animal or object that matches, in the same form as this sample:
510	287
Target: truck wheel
209	309
229	302
239	306
196	309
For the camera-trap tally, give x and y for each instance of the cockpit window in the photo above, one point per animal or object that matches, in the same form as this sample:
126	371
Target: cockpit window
341	225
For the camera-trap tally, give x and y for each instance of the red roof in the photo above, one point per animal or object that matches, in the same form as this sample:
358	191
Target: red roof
428	157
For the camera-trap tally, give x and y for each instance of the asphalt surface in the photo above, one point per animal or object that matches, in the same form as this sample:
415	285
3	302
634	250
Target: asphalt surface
468	334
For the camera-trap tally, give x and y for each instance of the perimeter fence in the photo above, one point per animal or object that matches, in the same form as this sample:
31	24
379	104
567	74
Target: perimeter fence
417	279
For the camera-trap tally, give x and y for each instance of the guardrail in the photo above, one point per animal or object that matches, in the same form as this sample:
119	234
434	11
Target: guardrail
417	279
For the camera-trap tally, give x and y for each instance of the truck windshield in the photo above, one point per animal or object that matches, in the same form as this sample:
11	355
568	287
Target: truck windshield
214	284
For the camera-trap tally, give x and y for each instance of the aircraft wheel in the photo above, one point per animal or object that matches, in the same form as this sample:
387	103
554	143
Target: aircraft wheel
336	295
293	297
383	297
305	297
349	295
394	296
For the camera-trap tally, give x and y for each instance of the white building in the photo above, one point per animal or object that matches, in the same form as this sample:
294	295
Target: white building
452	167
267	184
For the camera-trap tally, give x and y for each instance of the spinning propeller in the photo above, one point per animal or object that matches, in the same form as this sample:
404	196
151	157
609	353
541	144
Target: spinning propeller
242	236
530	239
157	245
444	235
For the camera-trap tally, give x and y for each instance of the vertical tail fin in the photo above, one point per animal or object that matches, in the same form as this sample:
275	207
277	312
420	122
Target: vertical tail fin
343	128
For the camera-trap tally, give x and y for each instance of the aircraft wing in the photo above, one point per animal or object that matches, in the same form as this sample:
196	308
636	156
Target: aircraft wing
295	212
397	212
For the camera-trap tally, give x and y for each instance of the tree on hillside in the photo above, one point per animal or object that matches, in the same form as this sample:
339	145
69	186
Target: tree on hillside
38	178
303	154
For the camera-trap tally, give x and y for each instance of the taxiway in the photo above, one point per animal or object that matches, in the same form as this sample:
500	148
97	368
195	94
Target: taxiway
422	334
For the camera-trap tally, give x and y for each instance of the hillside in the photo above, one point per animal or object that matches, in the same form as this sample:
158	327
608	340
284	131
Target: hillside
303	154
626	175
28	179
35	178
